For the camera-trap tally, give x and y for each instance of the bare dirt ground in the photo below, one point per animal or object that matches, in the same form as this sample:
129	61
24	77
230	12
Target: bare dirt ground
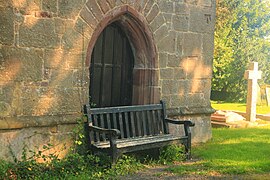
159	172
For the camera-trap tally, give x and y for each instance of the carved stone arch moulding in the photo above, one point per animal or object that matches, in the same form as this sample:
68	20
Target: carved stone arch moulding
145	74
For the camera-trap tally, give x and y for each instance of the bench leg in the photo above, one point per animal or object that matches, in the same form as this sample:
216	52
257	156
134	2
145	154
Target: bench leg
187	145
188	141
114	156
114	152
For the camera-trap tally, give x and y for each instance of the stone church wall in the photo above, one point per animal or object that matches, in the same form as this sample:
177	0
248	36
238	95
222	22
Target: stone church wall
44	64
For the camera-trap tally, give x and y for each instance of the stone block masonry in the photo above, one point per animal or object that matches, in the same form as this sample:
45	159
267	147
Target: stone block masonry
45	53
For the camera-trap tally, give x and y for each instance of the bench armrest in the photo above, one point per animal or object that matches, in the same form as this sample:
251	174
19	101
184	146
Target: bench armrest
111	132
186	122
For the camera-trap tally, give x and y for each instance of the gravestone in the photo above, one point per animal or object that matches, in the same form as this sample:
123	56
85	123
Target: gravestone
252	75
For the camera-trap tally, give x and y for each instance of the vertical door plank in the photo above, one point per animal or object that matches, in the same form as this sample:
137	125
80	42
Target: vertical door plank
107	84
101	83
116	73
107	66
95	71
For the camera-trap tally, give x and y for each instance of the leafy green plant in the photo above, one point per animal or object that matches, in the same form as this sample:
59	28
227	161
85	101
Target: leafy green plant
125	165
171	153
28	166
79	135
4	170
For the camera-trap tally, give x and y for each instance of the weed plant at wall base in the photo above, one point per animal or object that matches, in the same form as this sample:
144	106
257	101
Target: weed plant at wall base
77	166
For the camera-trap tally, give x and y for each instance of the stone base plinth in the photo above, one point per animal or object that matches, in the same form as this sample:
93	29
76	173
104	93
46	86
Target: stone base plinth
50	138
201	132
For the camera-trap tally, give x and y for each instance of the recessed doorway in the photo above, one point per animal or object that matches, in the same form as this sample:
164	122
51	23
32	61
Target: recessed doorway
111	69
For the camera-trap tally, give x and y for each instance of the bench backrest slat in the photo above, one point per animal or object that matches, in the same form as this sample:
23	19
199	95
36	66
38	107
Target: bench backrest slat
163	114
114	120
108	118
102	124
159	121
127	125
150	123
139	124
144	123
121	125
95	122
154	124
131	121
133	127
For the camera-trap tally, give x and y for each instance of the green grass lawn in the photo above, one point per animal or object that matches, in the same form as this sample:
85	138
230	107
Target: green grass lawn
238	107
231	151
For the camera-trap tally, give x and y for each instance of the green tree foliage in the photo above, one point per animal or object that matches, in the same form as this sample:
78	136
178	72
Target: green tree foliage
242	28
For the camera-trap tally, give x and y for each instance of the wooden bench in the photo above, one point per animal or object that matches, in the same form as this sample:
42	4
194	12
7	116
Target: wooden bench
116	130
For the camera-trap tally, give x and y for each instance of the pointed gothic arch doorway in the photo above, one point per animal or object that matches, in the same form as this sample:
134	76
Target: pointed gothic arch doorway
139	79
111	69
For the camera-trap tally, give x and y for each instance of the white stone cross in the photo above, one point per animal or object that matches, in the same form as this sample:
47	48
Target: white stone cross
252	75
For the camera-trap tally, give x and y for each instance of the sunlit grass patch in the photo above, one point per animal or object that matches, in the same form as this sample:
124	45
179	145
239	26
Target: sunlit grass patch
231	151
239	107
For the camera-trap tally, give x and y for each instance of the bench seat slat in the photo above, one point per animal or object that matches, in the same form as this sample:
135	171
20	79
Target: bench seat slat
141	141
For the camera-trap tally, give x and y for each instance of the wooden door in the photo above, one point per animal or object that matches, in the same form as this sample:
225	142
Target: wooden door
111	69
